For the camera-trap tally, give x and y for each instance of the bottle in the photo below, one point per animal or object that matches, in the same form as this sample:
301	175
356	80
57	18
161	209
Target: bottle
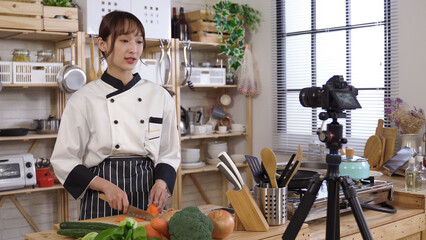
183	26
411	176
421	177
175	24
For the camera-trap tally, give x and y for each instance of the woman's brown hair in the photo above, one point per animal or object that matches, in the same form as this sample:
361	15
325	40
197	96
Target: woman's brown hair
118	23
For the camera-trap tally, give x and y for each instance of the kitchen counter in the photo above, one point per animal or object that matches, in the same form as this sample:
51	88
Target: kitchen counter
407	223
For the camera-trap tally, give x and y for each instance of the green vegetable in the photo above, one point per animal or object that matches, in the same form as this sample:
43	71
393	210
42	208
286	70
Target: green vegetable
129	222
86	225
76	232
139	233
105	234
190	223
154	238
90	236
58	3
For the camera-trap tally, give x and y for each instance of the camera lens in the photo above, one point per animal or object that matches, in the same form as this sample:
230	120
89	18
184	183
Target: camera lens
310	97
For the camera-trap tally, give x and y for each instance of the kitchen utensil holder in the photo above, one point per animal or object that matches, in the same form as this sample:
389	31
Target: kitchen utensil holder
247	210
272	203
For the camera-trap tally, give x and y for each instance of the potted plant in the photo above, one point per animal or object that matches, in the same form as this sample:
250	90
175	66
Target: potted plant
234	19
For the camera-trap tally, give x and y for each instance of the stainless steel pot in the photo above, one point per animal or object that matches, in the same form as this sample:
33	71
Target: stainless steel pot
47	126
71	78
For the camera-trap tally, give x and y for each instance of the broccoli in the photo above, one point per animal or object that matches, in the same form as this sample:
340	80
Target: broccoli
190	223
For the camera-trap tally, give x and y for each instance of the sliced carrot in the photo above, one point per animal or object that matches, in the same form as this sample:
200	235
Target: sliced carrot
119	219
153	209
139	220
151	232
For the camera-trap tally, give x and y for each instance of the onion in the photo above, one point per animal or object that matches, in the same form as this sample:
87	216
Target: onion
223	223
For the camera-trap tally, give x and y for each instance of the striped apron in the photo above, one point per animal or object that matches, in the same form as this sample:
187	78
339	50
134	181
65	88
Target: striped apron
133	174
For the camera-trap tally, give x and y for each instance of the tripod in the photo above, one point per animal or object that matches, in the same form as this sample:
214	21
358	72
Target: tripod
333	139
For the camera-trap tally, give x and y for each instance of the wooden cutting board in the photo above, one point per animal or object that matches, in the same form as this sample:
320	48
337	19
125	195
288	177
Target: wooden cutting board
373	150
380	134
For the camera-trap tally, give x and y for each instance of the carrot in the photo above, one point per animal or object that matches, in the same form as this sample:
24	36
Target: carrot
153	209
119	219
139	220
151	232
161	226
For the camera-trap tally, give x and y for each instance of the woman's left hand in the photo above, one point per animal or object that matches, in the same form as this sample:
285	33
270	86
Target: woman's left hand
159	194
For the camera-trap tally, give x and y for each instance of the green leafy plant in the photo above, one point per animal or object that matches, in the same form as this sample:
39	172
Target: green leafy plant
234	19
58	3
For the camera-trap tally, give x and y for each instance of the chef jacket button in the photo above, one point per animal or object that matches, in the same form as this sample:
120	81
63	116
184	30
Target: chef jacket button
117	146
142	121
112	100
140	99
115	121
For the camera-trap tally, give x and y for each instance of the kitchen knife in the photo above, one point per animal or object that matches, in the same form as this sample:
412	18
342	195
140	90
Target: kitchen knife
224	157
133	211
285	171
229	175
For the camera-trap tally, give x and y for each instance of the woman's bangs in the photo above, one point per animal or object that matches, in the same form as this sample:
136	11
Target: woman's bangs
128	26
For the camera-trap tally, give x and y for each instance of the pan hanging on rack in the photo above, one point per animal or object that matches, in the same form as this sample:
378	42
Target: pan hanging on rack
188	64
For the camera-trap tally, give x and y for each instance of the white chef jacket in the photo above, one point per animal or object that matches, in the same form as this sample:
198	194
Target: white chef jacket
105	118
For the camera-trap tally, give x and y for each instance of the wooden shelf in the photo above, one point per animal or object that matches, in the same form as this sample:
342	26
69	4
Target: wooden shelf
213	135
207	87
208	168
29	137
32	35
12	85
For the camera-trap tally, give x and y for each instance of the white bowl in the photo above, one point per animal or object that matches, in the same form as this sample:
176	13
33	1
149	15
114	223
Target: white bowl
191	150
238	158
190	159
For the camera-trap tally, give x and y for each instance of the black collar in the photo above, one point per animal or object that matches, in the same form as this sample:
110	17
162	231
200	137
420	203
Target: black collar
118	84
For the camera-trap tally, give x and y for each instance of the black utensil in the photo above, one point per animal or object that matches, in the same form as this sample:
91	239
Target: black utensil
288	175
15	131
287	167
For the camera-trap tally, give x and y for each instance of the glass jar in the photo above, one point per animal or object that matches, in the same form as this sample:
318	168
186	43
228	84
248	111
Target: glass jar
45	56
21	55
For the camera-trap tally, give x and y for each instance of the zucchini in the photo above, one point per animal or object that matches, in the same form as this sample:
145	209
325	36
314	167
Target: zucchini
76	232
86	225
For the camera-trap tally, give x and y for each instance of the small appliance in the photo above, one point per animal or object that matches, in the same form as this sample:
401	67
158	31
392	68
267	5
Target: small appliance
17	171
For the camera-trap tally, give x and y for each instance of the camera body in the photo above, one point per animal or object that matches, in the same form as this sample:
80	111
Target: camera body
335	96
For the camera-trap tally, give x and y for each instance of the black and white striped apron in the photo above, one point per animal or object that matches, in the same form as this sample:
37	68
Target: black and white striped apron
133	174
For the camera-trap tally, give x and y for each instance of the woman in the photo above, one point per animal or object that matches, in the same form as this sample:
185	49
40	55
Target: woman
118	134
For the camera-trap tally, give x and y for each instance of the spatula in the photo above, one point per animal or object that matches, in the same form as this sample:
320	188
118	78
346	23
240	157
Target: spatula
255	168
270	162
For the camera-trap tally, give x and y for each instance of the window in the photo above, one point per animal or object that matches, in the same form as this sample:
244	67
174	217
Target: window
318	39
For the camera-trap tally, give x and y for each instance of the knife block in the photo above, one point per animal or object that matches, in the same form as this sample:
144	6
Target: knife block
247	210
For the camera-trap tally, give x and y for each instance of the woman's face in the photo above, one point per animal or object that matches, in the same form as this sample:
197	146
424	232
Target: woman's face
127	51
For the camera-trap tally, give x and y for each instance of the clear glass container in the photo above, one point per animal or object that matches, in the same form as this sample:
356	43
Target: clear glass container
21	55
45	56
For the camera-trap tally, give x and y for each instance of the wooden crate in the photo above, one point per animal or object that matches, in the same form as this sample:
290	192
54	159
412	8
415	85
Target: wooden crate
50	23
23	14
205	37
199	15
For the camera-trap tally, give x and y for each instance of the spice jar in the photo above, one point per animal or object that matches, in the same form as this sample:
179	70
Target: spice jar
21	55
45	56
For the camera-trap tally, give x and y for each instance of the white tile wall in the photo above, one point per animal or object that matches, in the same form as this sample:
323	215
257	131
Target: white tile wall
18	107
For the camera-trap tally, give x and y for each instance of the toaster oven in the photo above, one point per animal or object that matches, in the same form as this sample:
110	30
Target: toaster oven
17	171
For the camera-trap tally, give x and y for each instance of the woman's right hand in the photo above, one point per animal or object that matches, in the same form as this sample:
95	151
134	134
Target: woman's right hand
116	198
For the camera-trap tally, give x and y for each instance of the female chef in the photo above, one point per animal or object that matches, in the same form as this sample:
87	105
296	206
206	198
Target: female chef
118	134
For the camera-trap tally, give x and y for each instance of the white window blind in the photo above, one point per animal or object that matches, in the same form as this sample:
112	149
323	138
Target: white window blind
316	39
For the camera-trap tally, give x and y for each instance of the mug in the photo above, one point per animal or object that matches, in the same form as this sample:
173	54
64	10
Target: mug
209	128
238	127
218	113
200	129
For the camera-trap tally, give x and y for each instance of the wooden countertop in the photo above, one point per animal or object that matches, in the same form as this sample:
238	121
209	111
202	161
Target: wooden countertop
408	221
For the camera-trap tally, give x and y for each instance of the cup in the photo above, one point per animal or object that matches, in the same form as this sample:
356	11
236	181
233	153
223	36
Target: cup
200	129
218	113
45	177
209	128
222	129
238	127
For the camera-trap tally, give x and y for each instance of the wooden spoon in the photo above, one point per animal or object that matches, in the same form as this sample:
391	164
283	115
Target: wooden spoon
92	74
99	64
380	134
270	163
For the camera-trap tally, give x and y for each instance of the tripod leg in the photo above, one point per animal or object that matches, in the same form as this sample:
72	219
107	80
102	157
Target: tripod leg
352	197
333	208
303	209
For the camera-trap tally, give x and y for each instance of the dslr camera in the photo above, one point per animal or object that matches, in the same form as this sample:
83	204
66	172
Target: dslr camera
334	96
